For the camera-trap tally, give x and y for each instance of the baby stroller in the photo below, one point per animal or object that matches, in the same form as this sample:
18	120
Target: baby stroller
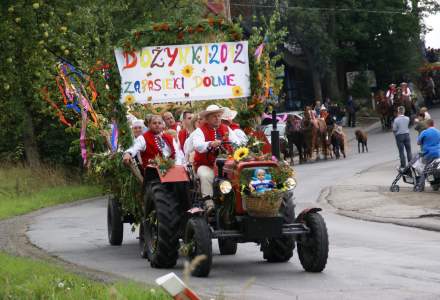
409	174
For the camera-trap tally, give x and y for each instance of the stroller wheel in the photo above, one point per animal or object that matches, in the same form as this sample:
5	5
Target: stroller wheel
394	188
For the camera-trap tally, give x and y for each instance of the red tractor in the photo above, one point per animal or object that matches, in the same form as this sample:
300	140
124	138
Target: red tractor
173	220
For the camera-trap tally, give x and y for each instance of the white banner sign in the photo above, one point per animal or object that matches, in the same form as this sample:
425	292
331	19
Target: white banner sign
184	73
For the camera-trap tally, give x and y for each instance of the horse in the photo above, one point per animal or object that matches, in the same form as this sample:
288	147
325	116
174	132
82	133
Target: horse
337	140
315	134
384	109
295	136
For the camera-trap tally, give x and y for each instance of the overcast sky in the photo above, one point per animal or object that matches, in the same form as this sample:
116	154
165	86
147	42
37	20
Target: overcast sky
432	39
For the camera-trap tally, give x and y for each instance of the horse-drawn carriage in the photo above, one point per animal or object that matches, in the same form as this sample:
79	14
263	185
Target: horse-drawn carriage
173	218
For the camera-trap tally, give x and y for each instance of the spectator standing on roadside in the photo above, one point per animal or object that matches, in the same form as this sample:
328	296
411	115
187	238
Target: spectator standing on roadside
351	110
317	108
425	111
420	123
401	132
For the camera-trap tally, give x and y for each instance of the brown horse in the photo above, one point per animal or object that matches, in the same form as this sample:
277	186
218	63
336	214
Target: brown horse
384	109
315	134
337	140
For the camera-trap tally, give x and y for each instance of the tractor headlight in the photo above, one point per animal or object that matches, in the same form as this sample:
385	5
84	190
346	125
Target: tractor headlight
225	187
290	183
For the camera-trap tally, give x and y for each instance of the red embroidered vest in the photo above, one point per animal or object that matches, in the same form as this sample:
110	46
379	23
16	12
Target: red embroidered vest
183	135
208	158
152	148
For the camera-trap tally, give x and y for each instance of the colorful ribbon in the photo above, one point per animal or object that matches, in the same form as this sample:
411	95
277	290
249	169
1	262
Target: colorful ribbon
45	94
114	137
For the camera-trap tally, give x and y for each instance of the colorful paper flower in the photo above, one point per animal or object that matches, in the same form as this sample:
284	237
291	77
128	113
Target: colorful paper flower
241	153
129	99
187	71
237	91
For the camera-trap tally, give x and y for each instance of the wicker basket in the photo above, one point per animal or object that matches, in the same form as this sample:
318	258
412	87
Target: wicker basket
259	206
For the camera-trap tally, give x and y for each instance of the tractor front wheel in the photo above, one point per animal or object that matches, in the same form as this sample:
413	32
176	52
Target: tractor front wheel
281	249
198	240
313	248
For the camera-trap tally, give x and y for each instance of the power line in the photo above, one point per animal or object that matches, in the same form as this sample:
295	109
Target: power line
327	9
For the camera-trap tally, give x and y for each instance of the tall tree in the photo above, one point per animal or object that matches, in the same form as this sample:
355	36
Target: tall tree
34	35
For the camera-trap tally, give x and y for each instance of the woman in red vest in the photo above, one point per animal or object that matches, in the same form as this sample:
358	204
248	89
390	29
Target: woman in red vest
152	143
207	140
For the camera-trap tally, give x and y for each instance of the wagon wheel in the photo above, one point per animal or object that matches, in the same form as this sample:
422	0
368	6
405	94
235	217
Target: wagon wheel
115	226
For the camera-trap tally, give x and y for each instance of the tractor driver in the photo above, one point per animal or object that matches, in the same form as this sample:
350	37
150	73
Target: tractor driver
152	143
207	141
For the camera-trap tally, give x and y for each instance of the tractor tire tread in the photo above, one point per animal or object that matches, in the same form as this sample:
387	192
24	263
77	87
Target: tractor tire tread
318	228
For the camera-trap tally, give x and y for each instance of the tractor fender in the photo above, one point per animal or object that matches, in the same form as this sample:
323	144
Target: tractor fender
310	210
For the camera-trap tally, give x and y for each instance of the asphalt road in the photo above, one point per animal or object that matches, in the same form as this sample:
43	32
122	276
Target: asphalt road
366	260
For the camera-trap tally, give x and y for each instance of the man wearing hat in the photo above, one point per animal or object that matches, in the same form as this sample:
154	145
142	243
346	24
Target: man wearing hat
208	141
406	92
228	119
391	93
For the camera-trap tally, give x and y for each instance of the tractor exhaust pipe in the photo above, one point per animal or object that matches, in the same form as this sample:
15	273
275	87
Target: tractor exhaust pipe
275	136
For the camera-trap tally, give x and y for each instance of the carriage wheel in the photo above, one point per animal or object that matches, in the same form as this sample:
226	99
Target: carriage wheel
115	226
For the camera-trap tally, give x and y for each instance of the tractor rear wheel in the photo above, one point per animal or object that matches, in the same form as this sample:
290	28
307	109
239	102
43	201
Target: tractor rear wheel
227	246
313	249
115	226
161	227
281	249
198	239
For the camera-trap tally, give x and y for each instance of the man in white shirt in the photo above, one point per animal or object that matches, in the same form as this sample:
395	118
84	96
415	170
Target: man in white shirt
406	92
153	143
391	93
208	140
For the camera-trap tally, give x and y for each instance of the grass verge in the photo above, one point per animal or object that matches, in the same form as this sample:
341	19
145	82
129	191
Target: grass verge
25	278
23	190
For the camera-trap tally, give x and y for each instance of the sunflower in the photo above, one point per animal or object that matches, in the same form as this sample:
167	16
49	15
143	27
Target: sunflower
129	99
187	71
241	153
237	91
